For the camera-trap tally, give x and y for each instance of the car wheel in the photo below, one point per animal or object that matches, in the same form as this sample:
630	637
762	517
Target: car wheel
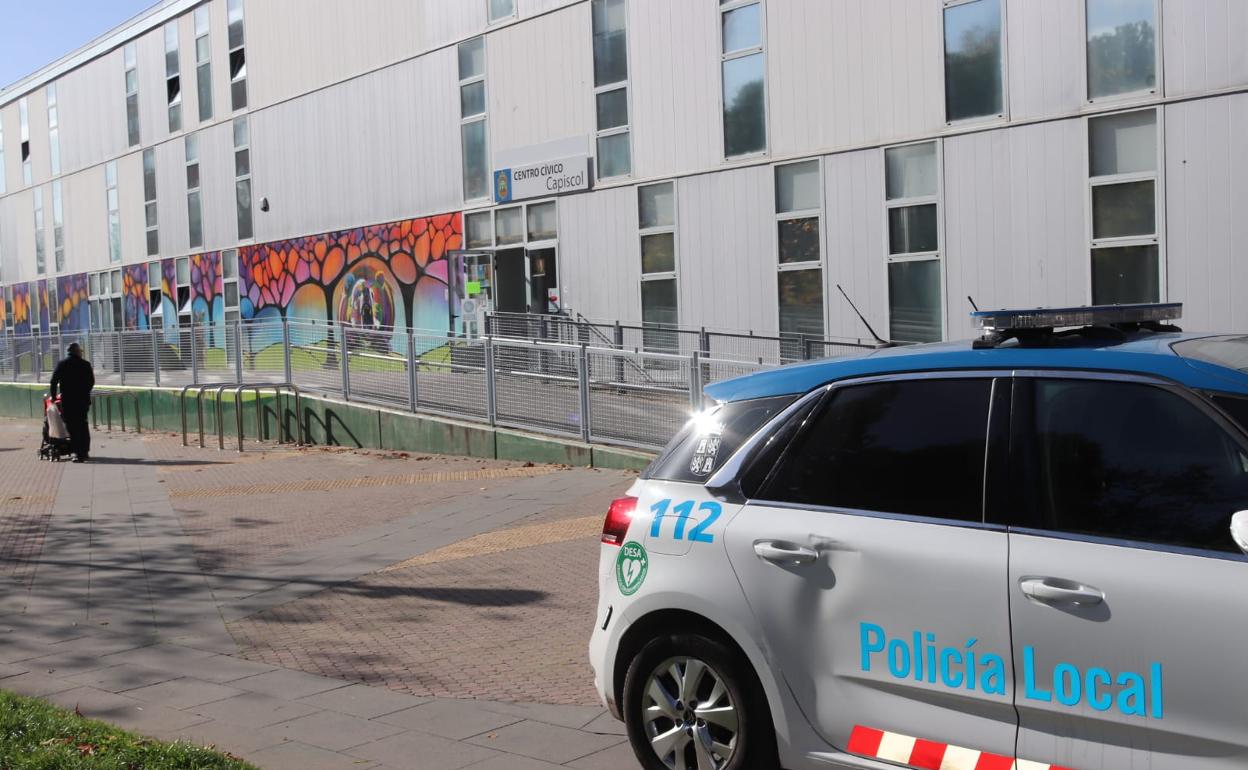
691	703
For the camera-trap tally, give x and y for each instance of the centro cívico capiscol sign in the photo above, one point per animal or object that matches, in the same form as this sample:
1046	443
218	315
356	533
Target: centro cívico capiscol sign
536	180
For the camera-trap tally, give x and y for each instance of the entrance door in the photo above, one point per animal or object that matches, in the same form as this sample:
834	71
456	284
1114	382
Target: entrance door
543	281
1127	590
880	589
511	281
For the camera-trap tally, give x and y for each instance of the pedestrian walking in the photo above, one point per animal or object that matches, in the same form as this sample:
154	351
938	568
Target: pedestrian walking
75	378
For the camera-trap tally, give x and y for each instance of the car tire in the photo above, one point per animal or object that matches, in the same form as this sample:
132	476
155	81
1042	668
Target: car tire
661	723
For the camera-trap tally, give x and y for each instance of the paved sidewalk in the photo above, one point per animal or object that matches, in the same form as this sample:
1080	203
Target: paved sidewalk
110	606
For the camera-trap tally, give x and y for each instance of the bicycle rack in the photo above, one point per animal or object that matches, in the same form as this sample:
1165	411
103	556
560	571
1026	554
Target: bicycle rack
279	389
105	398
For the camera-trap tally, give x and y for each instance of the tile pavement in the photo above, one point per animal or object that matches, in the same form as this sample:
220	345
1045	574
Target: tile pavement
114	616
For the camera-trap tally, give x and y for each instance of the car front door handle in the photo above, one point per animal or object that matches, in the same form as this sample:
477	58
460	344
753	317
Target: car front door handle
1057	591
779	552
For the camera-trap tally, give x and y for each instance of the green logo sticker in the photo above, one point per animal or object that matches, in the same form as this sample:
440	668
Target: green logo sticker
631	567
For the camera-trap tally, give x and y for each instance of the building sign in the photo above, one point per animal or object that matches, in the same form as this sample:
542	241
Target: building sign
536	180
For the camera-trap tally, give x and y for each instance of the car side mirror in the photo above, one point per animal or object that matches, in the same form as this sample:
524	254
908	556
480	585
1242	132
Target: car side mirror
1239	530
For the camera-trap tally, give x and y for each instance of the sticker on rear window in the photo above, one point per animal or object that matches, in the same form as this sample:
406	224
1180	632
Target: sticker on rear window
704	454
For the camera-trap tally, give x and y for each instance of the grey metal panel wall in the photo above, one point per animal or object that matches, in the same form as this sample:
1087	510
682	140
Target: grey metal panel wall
20	219
854	242
130	197
216	170
674	72
187	71
324	166
1204	44
40	158
171	198
447	21
527	8
153	96
86	220
299	45
599	254
540	80
91	103
1045	52
1014	220
726	235
12	259
12	169
1206	186
850	72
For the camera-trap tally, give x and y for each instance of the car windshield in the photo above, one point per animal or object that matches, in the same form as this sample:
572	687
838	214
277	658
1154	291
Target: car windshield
1230	351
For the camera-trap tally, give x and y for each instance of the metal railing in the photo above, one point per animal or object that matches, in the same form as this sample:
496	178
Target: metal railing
562	379
103	400
279	389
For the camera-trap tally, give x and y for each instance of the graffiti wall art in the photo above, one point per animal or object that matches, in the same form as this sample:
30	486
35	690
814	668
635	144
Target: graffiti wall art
378	277
44	311
21	309
71	293
135	310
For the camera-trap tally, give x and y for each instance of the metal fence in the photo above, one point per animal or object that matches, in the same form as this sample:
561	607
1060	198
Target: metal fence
561	380
678	340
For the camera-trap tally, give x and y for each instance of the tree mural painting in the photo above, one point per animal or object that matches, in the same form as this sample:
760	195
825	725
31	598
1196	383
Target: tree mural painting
207	304
379	277
135	309
71	292
21	309
169	300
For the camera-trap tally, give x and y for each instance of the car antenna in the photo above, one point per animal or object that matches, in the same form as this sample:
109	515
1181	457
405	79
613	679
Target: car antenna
882	343
971	300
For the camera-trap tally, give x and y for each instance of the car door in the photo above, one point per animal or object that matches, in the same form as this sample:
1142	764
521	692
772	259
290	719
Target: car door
878	586
1128	595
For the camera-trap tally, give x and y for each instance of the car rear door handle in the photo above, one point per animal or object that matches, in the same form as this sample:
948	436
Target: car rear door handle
1058	591
779	552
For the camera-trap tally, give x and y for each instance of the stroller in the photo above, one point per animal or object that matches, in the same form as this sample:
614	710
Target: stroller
56	444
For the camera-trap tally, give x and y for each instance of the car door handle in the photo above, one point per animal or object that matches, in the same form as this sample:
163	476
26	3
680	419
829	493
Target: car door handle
779	552
1058	591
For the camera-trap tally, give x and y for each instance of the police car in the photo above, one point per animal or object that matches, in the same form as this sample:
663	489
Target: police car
1025	551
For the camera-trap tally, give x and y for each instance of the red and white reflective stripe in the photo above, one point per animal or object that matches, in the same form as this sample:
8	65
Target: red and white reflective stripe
931	755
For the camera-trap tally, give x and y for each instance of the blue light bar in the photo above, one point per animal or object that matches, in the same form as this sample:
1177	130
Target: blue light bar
1092	315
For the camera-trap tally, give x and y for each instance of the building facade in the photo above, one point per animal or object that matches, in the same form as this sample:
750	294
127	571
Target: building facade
717	163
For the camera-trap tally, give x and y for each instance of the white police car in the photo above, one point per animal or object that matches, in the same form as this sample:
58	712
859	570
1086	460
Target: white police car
1023	552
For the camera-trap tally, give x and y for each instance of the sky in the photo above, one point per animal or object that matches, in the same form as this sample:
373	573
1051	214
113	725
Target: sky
35	33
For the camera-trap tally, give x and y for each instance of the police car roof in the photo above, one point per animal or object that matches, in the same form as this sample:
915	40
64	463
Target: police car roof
1148	353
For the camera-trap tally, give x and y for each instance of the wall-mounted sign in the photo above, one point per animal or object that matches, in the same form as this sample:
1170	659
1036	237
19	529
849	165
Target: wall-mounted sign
545	178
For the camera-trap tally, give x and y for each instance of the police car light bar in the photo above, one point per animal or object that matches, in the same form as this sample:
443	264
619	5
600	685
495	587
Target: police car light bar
1092	315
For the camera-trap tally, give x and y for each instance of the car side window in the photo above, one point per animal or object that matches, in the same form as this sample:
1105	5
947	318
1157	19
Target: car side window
1236	407
1135	462
913	447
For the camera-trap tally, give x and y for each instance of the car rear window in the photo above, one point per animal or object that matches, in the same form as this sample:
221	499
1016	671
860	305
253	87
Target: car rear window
1230	351
1236	407
711	437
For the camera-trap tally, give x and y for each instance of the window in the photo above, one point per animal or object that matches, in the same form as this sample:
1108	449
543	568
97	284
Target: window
610	25
58	228
1122	47
479	230
114	211
509	226
912	206
173	77
23	116
475	145
799	253
229	284
501	9
1124	202
131	59
54	308
242	177
194	209
238	55
744	78
1236	407
888	448
1131	461
54	131
41	257
149	202
973	60
203	64
706	442
656	212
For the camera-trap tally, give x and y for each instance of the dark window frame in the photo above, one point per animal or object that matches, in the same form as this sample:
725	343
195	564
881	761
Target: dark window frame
1016	511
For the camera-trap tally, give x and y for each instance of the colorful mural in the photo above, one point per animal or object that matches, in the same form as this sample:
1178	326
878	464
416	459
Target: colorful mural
377	277
21	308
135	308
207	304
71	292
44	314
169	299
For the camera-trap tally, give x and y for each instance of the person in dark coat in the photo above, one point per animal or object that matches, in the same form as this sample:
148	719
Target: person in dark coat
75	378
